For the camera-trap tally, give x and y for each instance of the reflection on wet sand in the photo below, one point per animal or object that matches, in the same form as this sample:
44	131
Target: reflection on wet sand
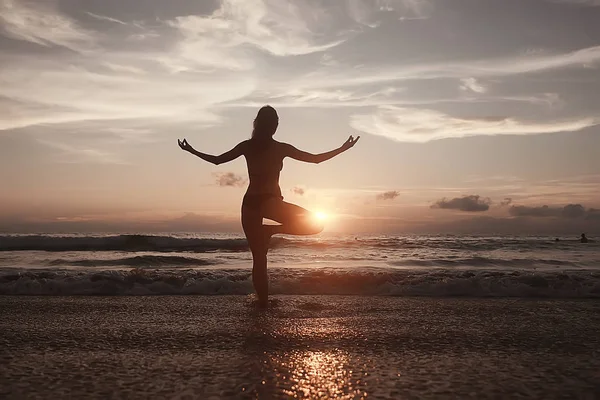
317	374
295	364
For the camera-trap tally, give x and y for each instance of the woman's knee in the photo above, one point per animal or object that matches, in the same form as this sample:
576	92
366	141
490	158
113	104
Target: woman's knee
318	227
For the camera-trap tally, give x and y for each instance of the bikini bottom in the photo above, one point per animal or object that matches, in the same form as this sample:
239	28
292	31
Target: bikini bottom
255	201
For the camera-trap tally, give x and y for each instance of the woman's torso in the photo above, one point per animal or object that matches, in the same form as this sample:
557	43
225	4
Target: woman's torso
264	160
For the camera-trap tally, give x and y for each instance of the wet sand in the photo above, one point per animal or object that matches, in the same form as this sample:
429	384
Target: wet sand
309	346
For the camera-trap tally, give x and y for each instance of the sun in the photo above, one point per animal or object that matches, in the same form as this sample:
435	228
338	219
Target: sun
320	216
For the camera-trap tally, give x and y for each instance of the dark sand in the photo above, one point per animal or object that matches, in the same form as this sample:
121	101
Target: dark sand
310	346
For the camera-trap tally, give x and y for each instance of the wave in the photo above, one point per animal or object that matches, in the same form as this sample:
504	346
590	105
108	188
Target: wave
484	262
137	261
120	243
565	284
159	243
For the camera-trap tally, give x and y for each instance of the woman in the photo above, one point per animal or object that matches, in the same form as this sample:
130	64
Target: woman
264	158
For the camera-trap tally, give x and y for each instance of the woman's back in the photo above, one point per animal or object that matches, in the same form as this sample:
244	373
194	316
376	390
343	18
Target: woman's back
264	159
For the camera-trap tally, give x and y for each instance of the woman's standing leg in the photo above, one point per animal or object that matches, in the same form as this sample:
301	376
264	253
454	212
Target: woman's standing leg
258	243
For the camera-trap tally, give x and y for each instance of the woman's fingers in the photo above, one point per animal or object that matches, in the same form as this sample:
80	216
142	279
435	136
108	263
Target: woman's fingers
351	141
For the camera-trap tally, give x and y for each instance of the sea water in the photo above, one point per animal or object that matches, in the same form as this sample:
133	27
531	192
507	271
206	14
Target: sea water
206	263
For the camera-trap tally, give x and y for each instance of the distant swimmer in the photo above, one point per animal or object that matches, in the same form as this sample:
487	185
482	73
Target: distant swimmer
583	238
557	240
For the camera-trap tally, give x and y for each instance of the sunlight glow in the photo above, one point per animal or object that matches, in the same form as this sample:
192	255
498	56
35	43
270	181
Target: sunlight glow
321	216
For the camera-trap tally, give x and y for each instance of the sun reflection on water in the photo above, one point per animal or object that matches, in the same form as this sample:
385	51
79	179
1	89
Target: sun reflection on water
317	375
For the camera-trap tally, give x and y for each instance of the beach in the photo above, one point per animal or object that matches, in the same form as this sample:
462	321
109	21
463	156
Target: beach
303	346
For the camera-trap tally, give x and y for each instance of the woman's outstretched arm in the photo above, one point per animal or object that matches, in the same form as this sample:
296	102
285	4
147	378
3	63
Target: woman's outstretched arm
300	155
220	159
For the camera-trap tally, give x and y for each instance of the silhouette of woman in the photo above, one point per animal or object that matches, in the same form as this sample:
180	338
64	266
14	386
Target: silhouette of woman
263	199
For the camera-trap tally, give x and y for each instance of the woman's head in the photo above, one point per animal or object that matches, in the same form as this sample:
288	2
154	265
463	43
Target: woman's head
265	123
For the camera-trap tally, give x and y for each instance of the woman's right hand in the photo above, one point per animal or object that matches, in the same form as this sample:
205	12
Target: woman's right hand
348	144
184	145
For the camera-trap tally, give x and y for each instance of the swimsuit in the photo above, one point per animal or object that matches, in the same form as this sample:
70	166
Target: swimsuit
255	201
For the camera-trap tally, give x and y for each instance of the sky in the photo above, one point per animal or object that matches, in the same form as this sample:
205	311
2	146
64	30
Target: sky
475	116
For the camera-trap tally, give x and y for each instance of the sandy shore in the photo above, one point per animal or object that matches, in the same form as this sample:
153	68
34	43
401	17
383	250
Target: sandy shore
309	346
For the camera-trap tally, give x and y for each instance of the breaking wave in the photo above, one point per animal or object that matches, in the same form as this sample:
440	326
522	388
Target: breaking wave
440	283
119	243
137	261
159	243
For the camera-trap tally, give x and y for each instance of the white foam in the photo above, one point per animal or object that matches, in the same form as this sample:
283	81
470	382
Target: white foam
438	283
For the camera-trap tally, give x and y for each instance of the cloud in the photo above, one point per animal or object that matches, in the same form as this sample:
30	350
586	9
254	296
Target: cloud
472	203
573	211
471	84
124	68
78	154
335	97
423	125
42	25
298	190
468	69
389	195
105	18
280	28
538	211
298	97
368	12
229	179
593	214
42	92
570	211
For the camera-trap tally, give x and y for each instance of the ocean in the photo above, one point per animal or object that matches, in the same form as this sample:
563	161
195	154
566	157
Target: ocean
208	264
378	317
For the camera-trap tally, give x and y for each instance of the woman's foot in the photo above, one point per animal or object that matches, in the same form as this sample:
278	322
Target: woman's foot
263	303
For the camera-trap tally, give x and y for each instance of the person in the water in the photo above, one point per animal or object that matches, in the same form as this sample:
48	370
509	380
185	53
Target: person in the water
263	199
583	239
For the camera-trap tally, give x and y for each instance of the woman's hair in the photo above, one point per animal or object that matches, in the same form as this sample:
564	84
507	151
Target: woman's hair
265	123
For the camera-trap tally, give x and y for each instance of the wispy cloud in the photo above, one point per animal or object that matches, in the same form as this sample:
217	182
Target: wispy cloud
77	154
41	24
124	68
76	93
105	18
280	28
473	85
369	12
468	69
423	125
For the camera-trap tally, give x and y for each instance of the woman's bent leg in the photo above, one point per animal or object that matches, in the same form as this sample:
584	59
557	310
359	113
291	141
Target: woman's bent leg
253	228
294	219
